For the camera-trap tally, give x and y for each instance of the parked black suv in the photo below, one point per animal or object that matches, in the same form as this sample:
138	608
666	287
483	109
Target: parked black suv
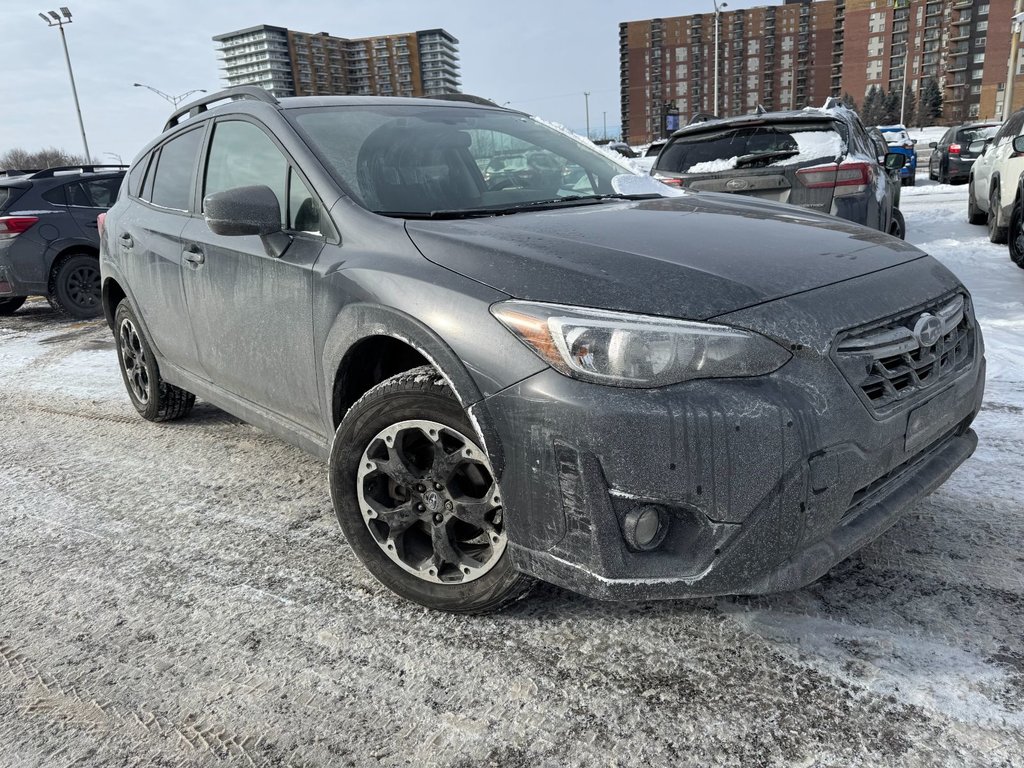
567	373
49	243
820	159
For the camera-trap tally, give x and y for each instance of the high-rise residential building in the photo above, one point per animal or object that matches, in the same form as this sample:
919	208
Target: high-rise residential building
289	63
799	53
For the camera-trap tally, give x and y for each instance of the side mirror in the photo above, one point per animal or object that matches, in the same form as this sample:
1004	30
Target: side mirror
977	147
932	144
1018	144
894	161
914	142
243	211
247	211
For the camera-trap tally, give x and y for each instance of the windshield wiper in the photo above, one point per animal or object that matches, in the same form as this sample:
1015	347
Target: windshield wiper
778	154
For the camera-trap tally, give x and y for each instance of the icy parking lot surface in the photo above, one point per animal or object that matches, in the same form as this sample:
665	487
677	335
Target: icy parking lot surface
181	595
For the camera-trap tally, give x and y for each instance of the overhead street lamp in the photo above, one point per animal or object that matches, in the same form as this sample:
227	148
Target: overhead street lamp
586	99
175	100
59	20
718	9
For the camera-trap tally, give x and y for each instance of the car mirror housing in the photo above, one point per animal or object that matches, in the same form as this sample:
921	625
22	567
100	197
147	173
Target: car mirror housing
933	144
894	161
243	211
1018	144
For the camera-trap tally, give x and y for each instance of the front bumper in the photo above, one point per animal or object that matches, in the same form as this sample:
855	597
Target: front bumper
766	482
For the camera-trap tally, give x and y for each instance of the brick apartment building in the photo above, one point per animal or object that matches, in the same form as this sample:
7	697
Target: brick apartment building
290	63
799	53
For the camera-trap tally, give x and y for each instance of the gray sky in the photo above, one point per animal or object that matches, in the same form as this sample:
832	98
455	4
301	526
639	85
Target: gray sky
539	54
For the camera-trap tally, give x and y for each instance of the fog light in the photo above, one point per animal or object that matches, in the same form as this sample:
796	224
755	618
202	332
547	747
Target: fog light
645	528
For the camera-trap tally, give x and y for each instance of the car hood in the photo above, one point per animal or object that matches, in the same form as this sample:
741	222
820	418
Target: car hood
694	256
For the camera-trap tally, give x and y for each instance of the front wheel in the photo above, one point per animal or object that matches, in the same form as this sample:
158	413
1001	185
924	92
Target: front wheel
898	225
153	398
417	498
1015	236
11	304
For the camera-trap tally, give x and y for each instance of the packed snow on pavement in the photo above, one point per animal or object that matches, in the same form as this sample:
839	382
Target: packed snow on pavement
180	595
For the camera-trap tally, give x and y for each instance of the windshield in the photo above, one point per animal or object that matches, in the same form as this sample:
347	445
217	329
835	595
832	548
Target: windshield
413	159
896	135
751	147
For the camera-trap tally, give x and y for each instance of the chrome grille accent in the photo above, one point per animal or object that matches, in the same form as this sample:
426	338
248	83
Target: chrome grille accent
892	361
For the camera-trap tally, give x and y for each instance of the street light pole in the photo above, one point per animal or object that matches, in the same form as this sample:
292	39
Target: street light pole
176	100
586	99
56	20
903	101
718	10
1011	70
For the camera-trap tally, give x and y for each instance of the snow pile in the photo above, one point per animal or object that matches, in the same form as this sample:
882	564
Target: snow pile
815	145
714	166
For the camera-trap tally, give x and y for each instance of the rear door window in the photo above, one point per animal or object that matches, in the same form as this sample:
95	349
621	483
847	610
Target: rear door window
172	182
748	147
100	193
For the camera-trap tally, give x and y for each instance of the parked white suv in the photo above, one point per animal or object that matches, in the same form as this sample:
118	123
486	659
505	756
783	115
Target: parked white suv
993	182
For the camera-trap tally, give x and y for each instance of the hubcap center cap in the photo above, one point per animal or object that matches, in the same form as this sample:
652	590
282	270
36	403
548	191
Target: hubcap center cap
432	501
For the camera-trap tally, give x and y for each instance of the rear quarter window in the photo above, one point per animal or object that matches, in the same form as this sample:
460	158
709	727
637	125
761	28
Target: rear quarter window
8	195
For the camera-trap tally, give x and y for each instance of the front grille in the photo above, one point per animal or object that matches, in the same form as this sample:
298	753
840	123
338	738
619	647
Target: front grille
893	361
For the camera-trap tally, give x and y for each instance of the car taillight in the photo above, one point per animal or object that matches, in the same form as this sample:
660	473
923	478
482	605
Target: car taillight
670	180
954	149
101	221
12	226
847	179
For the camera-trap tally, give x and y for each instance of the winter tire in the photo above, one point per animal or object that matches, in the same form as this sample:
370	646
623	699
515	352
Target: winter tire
418	500
11	304
1015	235
996	234
153	398
974	214
898	225
912	180
74	289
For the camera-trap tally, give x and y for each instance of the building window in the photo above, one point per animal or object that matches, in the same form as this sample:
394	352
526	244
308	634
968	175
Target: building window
979	42
981	26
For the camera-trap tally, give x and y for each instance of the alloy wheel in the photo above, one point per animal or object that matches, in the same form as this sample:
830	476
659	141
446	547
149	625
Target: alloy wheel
134	360
428	496
83	286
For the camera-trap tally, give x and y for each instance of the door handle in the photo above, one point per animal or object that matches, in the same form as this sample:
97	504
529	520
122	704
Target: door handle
193	255
126	240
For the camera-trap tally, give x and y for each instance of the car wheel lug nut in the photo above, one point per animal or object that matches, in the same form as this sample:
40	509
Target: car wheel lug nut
449	506
438	518
419	507
438	487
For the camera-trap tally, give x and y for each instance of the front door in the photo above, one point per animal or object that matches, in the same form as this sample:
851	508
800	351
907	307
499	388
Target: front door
251	312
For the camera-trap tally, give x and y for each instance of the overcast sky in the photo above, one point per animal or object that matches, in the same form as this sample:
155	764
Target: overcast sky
541	55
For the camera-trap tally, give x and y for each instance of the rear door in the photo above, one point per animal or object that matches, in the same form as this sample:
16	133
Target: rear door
252	312
87	199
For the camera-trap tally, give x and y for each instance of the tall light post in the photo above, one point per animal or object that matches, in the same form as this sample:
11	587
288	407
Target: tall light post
903	100
1011	70
175	100
59	20
718	10
586	99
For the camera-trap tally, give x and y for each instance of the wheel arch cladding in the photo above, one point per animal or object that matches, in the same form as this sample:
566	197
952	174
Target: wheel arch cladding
355	358
113	294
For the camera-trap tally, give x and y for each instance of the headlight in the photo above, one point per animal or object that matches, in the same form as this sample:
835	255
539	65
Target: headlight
627	350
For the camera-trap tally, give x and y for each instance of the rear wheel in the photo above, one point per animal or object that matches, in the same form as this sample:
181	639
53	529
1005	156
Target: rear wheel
74	289
11	304
153	398
1016	234
974	214
912	180
996	233
418	500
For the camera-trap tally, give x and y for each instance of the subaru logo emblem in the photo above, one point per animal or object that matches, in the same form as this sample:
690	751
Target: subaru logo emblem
736	184
928	330
432	501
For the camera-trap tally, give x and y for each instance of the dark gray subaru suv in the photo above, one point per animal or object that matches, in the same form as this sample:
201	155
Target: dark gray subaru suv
554	372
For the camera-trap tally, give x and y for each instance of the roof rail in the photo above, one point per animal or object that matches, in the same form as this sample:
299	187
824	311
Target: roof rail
49	173
11	172
467	97
200	105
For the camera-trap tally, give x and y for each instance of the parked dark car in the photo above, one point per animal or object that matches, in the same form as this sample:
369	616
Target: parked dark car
820	159
952	156
624	389
49	244
1015	233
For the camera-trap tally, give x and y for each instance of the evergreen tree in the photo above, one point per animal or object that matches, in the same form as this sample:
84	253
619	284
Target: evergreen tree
872	111
929	103
890	108
909	105
848	101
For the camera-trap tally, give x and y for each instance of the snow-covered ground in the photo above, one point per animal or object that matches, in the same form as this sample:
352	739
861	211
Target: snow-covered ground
180	595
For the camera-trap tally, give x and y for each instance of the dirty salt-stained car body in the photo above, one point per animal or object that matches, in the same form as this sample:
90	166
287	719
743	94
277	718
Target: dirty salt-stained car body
628	392
819	159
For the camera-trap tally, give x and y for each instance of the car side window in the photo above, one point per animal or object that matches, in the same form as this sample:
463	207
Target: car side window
147	186
57	195
100	193
303	208
242	155
172	182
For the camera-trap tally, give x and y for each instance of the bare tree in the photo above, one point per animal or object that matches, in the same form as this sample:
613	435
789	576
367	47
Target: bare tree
21	159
